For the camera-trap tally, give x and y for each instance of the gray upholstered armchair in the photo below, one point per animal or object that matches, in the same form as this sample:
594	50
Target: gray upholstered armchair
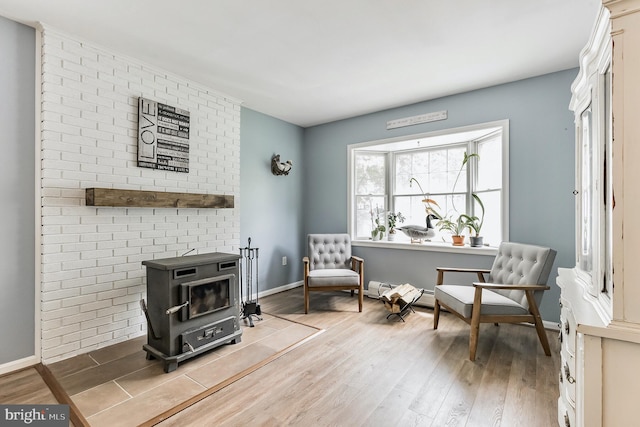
513	293
329	266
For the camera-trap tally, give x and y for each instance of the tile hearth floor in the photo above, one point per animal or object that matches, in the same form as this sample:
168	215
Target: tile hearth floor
117	386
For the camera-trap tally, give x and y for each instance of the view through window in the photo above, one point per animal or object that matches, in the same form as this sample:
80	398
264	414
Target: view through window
392	176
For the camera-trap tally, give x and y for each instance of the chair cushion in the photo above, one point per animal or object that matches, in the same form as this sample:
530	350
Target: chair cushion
333	277
460	299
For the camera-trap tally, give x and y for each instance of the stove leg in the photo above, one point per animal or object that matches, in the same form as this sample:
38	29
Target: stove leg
170	366
150	356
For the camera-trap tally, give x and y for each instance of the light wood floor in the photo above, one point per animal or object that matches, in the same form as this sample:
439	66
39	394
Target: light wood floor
25	387
365	370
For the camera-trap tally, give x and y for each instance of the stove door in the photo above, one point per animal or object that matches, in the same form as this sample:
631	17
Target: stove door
206	296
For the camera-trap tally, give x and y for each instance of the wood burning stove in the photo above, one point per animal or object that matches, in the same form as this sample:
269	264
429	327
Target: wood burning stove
192	306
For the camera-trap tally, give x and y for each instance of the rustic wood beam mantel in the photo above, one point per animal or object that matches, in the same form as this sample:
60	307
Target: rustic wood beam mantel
155	199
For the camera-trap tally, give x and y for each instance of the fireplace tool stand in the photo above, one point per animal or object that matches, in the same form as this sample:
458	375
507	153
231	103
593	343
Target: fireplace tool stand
250	307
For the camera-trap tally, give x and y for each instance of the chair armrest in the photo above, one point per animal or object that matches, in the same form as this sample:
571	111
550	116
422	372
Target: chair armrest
511	287
478	271
357	263
305	260
464	270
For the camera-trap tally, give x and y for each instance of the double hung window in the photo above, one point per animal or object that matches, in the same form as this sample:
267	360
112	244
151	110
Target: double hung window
396	175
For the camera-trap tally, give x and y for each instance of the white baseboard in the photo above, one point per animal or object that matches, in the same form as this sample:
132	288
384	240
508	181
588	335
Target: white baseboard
553	326
18	364
280	289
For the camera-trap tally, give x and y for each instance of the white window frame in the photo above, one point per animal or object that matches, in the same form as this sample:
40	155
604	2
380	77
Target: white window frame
442	134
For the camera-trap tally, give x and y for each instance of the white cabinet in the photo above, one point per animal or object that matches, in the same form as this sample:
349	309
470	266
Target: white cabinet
600	296
578	308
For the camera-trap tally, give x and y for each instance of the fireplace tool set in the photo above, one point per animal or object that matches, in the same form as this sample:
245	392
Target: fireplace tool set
250	306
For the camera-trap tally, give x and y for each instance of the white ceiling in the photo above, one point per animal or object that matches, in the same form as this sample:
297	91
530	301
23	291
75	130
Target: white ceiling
310	62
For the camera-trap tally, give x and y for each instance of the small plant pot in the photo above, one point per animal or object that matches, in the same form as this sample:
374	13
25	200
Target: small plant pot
458	240
476	241
391	237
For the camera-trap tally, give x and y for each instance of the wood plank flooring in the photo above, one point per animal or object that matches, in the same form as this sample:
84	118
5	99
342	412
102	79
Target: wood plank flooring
365	370
25	387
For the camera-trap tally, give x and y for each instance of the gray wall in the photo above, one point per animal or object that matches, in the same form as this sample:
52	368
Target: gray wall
270	206
277	211
17	191
541	172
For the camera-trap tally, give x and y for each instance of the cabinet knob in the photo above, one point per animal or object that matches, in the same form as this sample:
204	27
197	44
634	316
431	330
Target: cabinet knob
566	327
567	374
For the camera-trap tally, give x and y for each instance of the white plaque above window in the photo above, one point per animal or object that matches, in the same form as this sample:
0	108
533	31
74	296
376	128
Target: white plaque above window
163	136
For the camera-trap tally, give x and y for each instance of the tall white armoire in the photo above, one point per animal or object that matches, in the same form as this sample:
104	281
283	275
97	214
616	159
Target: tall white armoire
600	296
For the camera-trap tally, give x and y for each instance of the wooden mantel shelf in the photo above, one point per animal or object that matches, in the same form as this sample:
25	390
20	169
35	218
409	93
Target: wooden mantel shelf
155	199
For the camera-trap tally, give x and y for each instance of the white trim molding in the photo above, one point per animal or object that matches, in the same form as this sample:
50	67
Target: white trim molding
19	364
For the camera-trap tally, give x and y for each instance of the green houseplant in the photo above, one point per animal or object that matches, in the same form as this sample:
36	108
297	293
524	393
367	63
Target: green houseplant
377	225
474	223
451	223
455	226
392	219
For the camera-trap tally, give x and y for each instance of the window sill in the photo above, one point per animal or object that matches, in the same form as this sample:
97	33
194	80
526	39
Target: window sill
427	246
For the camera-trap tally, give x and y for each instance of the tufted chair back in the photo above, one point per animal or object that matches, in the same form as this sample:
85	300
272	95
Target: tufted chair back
521	264
329	251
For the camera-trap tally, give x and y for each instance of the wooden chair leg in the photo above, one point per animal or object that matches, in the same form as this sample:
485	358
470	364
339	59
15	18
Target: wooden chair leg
475	324
306	299
360	289
473	340
436	314
537	320
542	335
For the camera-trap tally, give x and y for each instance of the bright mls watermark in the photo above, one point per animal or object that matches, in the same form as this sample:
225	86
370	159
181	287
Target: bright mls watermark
34	415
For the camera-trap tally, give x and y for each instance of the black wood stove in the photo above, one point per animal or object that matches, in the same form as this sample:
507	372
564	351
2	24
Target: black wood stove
192	306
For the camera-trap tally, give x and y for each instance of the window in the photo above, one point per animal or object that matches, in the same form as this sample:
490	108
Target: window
370	188
381	174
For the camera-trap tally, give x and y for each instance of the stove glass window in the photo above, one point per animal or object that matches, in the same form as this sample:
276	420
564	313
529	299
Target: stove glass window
208	297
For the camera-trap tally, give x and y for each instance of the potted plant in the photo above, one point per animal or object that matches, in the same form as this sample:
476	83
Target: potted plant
450	223
455	227
473	223
392	219
377	225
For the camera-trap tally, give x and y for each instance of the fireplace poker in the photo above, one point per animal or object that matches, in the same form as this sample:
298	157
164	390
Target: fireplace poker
240	276
258	311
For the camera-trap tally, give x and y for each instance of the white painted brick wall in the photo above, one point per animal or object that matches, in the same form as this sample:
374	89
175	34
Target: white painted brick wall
92	276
